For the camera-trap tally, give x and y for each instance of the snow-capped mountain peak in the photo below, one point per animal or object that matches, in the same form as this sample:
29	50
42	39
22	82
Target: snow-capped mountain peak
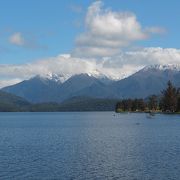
57	77
161	67
61	78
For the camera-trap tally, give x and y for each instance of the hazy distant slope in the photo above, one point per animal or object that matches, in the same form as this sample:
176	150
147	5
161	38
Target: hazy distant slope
78	104
9	102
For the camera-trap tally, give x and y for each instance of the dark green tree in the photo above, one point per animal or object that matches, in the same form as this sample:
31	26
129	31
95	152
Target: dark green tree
135	105
178	101
141	105
129	104
169	98
153	102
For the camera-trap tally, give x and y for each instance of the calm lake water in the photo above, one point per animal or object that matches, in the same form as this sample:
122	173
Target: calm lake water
89	145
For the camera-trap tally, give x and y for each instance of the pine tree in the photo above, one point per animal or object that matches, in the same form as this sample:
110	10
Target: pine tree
178	101
169	99
153	102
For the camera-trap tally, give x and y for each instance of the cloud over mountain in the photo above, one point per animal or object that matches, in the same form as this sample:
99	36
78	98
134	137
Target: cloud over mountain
115	67
107	31
100	49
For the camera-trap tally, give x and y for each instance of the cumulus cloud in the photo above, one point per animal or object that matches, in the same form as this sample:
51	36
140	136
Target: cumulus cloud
8	82
108	31
115	67
99	49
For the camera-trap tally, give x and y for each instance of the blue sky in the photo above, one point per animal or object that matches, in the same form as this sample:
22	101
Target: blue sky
53	25
111	37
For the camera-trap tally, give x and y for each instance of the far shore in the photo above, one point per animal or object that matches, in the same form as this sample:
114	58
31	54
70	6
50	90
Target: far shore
148	112
78	111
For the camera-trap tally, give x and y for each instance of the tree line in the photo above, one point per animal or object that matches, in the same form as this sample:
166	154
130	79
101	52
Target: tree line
168	101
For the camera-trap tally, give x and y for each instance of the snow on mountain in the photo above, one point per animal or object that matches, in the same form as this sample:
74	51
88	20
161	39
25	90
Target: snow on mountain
61	78
172	67
59	87
58	78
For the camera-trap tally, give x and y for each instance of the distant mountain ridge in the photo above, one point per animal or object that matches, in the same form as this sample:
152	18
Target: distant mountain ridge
10	102
149	80
61	78
57	88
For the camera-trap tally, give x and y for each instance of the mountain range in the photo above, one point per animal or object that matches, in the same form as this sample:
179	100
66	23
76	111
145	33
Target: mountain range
10	102
149	80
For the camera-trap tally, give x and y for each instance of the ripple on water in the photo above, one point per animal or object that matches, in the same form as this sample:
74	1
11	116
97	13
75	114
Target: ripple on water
89	146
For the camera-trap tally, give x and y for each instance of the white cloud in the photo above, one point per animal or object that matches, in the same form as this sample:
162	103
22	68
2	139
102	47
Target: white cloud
8	82
115	67
26	41
98	50
17	39
108	31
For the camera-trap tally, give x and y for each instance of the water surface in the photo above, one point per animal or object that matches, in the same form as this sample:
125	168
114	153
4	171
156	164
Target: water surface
89	145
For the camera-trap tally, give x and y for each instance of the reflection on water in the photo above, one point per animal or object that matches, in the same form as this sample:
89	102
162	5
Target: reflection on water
89	145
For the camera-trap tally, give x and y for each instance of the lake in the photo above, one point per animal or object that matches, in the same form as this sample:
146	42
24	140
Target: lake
89	145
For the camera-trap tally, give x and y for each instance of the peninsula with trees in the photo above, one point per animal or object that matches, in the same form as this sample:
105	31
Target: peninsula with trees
167	102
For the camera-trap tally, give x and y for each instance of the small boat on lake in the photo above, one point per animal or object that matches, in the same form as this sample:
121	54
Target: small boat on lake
151	114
